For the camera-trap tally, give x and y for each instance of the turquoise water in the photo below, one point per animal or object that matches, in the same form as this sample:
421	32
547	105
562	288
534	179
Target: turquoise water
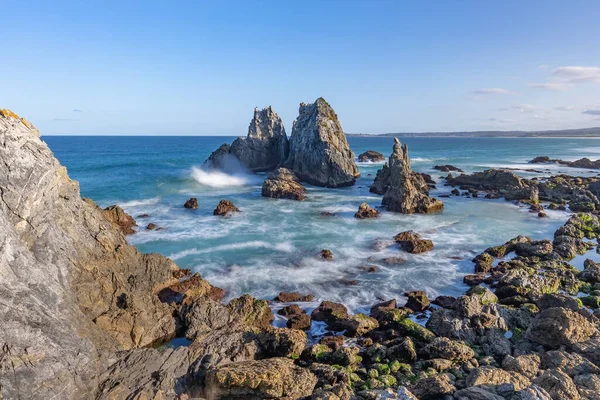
272	245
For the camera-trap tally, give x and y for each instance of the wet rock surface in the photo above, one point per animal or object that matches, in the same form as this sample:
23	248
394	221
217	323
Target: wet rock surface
224	208
371	155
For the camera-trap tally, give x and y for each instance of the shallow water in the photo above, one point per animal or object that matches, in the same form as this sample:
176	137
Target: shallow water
272	245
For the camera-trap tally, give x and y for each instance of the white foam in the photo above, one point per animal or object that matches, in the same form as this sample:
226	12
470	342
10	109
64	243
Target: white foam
220	179
283	247
139	203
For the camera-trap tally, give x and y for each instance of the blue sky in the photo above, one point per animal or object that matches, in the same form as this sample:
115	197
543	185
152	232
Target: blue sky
200	68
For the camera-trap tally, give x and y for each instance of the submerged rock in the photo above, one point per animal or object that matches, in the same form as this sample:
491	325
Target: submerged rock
319	152
371	155
447	168
581	163
365	211
225	207
192	203
283	184
407	191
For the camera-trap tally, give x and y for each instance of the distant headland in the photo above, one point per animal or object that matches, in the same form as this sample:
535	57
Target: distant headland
584	132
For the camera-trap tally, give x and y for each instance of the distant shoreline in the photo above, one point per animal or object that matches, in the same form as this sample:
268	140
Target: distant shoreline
549	134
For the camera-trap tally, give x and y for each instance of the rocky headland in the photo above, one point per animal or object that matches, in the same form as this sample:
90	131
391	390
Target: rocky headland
86	315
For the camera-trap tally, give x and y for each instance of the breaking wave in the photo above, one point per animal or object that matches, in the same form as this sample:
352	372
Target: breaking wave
220	179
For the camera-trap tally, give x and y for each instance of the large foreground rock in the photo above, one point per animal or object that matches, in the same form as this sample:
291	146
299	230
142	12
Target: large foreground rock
73	290
404	190
265	379
319	151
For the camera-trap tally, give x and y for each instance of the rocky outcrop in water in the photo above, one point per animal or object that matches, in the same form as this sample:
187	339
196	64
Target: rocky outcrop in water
192	203
371	155
283	184
225	208
403	189
319	151
120	218
264	148
366	211
580	193
581	163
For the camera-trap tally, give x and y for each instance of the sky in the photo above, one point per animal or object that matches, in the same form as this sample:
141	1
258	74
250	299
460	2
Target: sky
200	68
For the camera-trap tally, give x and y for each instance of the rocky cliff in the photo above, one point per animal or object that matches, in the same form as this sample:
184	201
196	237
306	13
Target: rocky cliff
264	148
319	151
403	189
78	303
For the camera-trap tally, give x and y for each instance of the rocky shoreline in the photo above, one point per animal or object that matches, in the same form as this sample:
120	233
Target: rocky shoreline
86	315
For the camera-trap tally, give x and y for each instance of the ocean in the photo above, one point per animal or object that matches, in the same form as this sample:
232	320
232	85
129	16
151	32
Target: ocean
272	245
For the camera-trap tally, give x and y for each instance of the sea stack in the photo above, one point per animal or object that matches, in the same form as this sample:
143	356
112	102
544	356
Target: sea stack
319	151
264	148
404	190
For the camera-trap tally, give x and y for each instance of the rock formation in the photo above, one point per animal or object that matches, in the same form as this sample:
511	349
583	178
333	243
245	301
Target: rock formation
366	211
581	163
264	148
283	184
371	155
225	207
191	203
319	151
403	189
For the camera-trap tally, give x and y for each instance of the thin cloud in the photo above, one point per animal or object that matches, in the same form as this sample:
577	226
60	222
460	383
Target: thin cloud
564	108
522	108
548	86
77	110
578	74
486	91
592	112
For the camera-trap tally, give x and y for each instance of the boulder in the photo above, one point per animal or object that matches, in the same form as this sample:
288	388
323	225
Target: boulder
271	378
283	184
365	211
591	272
407	190
357	325
417	300
287	297
266	146
371	155
224	208
319	151
330	312
299	321
559	326
558	385
434	387
527	365
448	349
412	242
192	203
496	377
